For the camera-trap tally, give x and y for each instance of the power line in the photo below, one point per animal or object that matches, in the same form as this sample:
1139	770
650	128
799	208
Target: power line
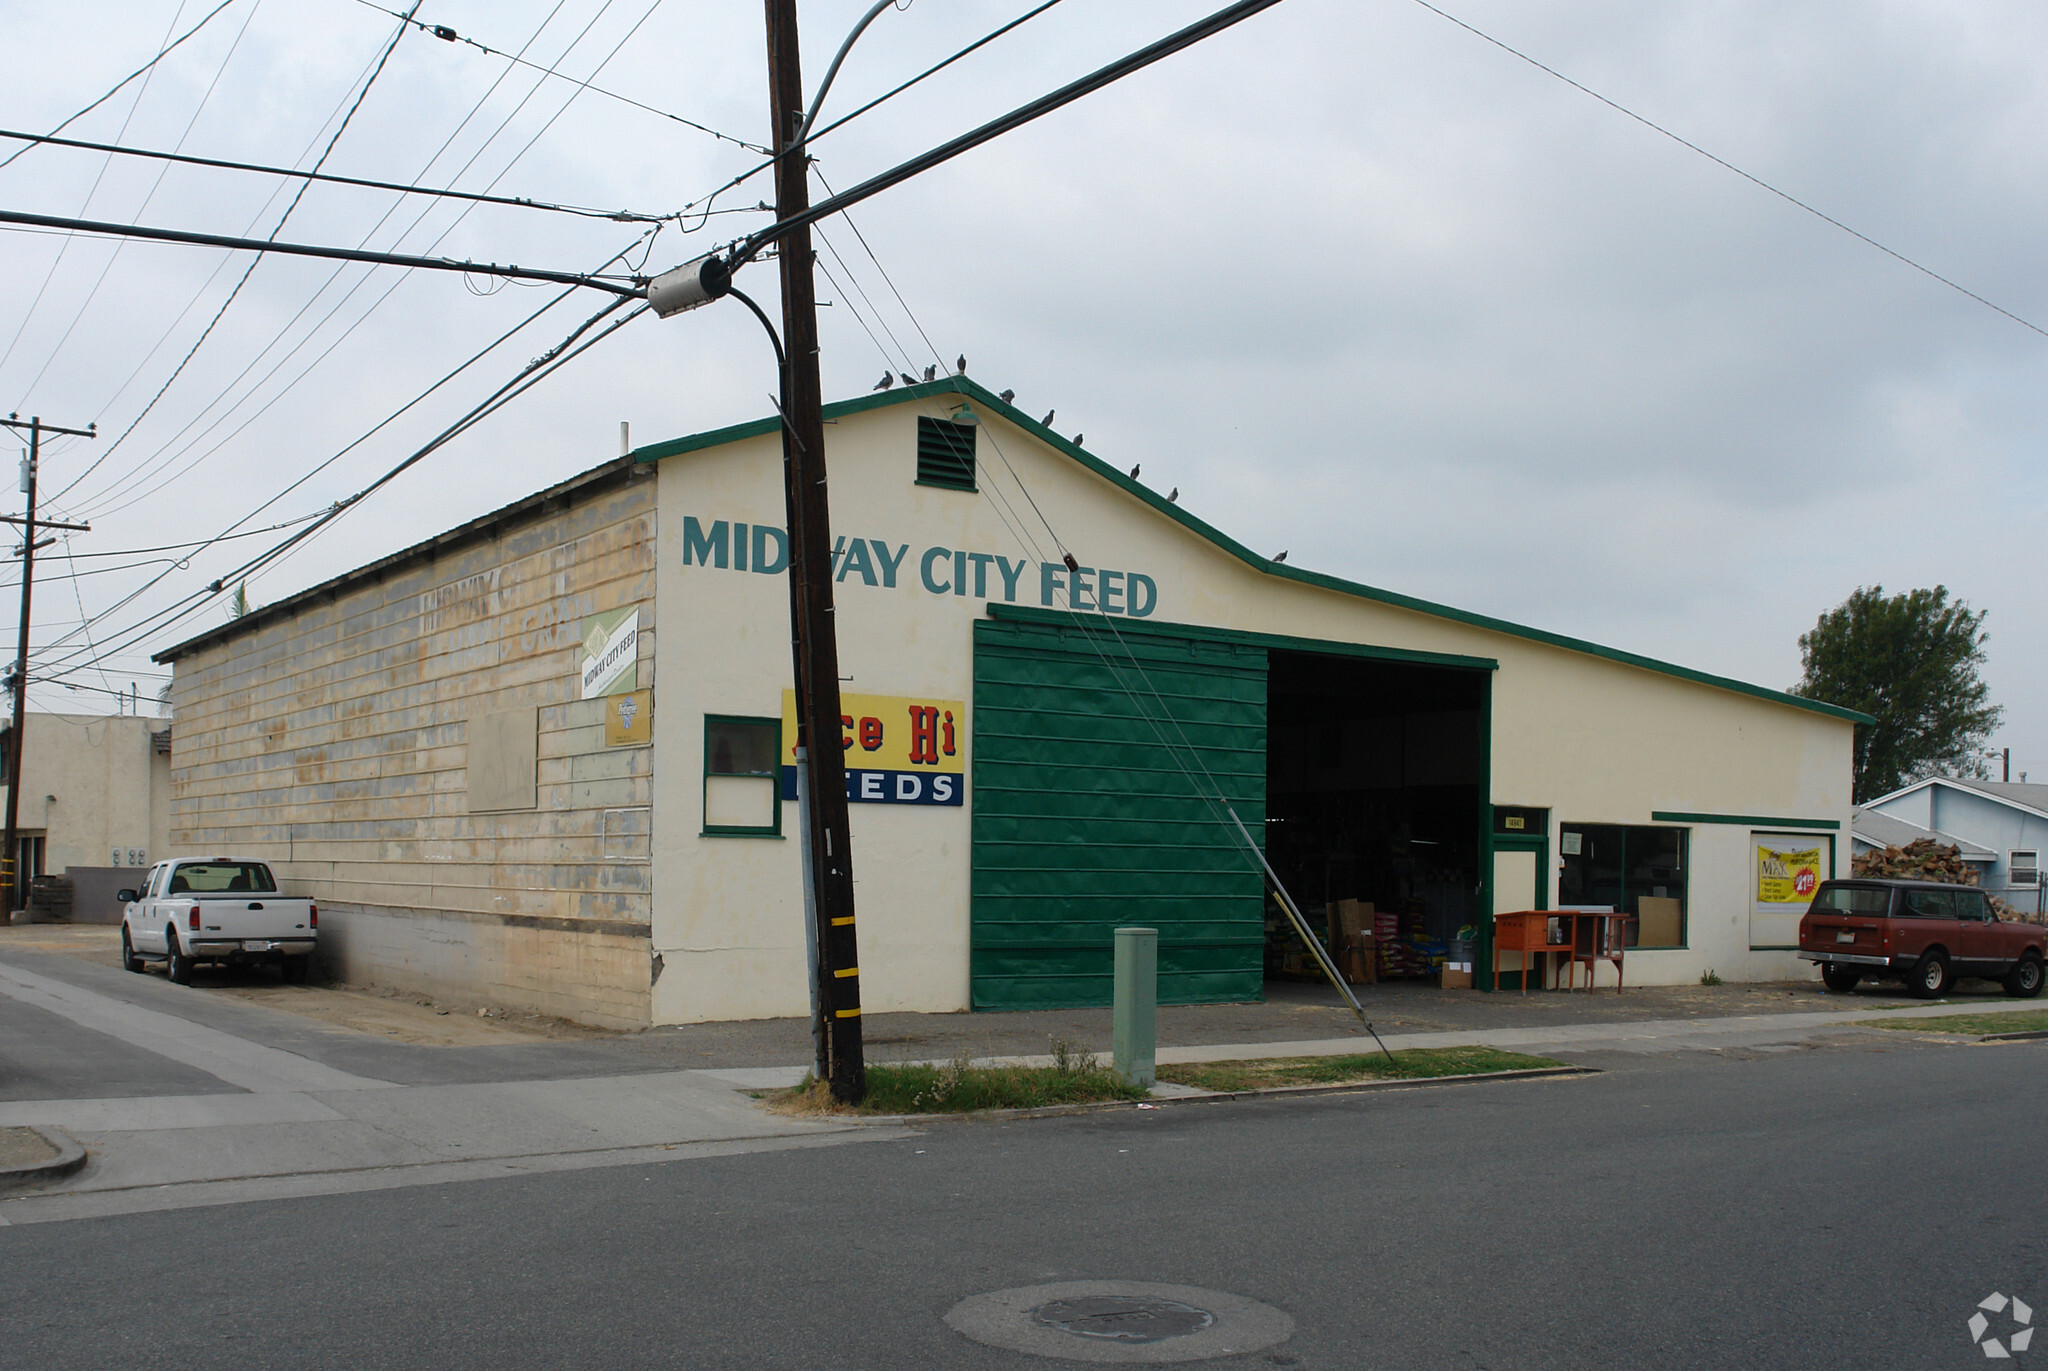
115	256
1724	163
162	53
746	176
622	216
428	166
995	128
439	238
449	35
628	288
308	475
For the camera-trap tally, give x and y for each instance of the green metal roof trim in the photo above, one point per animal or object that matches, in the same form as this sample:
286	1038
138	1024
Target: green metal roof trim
960	385
1282	642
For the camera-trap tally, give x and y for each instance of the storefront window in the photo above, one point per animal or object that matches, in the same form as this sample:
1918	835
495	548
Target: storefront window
742	789
1634	870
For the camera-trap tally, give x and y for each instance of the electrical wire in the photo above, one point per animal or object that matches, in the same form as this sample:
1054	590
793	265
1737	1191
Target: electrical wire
162	53
306	476
107	267
449	35
90	194
621	216
109	450
1725	164
746	176
534	372
254	262
121	487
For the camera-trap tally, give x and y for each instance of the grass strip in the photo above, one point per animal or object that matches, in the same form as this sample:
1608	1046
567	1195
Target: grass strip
1414	1063
2024	1021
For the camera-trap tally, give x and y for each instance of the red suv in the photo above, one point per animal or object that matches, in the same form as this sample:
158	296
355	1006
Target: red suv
1920	932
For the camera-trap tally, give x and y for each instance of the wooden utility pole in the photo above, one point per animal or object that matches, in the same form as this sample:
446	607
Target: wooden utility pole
815	645
9	878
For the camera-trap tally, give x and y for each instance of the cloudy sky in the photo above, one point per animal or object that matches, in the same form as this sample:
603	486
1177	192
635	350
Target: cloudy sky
1362	284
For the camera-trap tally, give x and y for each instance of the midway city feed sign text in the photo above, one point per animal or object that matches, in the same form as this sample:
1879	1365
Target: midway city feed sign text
764	549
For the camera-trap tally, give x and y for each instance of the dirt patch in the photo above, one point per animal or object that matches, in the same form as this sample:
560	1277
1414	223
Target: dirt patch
389	1014
403	1018
24	1147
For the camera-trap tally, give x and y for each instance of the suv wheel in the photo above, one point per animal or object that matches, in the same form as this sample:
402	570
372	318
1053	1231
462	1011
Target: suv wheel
180	965
1840	978
129	961
1930	979
2024	981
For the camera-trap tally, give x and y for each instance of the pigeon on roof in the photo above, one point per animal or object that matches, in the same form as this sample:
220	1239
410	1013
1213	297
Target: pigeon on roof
908	379
1007	396
1135	470
1281	556
886	381
1173	497
1046	422
931	373
961	365
1077	440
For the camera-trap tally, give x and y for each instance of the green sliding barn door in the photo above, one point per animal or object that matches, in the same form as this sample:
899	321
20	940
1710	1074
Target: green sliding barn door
1090	754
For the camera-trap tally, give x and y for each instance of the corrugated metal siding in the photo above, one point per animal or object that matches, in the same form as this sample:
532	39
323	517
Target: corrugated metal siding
1086	820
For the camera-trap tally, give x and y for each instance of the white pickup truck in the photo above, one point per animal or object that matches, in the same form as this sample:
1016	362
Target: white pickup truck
216	909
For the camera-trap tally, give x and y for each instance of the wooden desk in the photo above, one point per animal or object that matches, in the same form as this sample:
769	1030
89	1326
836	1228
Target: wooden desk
1576	935
1531	933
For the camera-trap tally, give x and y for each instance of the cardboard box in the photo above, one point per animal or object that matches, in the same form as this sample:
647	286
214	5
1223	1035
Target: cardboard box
1360	962
1657	921
1456	979
1349	919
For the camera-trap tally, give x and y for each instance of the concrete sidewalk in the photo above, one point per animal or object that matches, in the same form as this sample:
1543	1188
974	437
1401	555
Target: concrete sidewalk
1566	1039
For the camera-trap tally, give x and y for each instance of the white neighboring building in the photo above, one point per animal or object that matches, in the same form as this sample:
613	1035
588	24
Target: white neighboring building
95	801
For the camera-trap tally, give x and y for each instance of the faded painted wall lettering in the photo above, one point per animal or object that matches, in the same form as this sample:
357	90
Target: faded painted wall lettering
761	548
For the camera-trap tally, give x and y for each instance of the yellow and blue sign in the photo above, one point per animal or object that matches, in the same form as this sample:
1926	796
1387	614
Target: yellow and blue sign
900	750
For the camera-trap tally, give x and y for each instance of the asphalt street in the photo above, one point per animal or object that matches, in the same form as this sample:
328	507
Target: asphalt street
1844	1203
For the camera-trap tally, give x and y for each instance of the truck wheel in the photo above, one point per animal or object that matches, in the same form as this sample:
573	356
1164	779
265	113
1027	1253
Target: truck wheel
293	969
1930	979
2023	982
180	965
129	961
1840	978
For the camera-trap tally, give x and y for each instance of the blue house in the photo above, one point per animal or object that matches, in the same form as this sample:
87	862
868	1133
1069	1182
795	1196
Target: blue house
2001	828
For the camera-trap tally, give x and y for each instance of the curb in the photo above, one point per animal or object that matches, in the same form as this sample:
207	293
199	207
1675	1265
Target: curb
70	1157
1054	1111
2014	1037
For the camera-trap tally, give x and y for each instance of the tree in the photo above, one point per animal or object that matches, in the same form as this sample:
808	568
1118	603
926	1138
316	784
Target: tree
1910	661
239	606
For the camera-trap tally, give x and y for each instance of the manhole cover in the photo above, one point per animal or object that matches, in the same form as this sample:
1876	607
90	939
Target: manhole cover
1120	1321
1123	1318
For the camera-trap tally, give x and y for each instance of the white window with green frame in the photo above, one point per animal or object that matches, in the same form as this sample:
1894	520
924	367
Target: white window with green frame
742	776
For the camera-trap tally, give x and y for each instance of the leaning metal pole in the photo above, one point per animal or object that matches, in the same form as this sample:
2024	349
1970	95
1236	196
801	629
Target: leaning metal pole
1315	944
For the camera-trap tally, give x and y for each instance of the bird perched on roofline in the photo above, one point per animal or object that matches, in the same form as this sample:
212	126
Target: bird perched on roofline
1136	469
886	381
1007	396
1077	440
931	373
1281	555
1046	422
1173	496
908	379
961	365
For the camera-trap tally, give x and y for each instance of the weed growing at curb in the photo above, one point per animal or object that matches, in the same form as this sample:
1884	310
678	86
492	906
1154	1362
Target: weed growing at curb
1710	977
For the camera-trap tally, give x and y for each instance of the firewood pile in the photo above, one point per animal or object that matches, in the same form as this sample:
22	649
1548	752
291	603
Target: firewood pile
1920	860
1927	860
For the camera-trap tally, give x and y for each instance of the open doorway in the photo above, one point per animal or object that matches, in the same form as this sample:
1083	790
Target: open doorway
1374	776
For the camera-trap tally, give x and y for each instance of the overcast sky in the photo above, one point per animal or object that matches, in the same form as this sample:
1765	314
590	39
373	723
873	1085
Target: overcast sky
1363	285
